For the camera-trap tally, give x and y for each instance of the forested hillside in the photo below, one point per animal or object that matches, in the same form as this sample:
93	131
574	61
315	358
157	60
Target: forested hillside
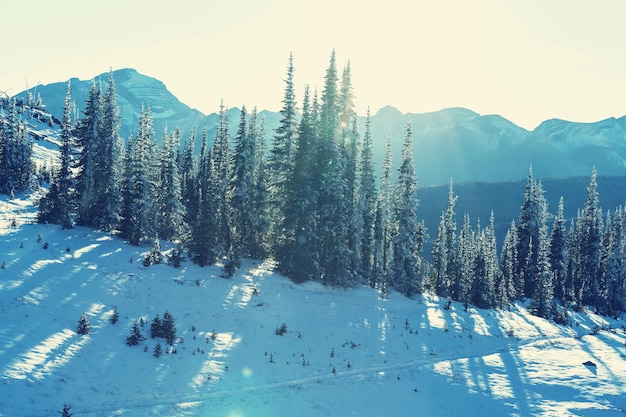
309	195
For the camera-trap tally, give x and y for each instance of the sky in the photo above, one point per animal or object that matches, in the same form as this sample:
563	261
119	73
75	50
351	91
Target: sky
528	61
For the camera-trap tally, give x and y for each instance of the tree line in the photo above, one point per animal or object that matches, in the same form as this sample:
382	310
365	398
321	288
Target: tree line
313	202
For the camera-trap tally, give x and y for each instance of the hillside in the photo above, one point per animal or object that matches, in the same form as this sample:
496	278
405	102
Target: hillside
354	352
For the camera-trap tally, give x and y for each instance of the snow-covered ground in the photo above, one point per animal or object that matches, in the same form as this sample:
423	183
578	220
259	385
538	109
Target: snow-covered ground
345	352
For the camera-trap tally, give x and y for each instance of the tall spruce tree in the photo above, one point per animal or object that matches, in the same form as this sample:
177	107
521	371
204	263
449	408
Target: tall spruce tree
298	255
280	162
16	166
57	205
543	291
332	204
444	249
106	209
408	233
139	194
533	215
557	248
366	207
384	218
88	134
505	285
240	191
171	211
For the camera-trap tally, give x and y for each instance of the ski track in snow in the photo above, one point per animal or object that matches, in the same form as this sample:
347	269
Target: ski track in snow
199	398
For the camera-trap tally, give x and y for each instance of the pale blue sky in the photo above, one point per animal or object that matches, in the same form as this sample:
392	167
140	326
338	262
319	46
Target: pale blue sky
527	60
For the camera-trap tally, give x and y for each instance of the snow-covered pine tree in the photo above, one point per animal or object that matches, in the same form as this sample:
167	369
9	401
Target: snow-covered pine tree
203	239
169	328
171	211
383	227
66	410
135	335
366	207
106	210
444	251
330	178
280	162
590	233
616	266
139	194
467	250
505	284
408	233
57	205
557	249
219	175
533	215
156	327
16	167
88	134
240	189
541	304
187	169
298	255
83	325
259	245
350	154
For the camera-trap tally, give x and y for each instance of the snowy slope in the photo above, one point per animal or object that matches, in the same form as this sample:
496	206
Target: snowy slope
345	353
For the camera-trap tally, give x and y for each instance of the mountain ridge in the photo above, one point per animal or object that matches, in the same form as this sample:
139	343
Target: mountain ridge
455	142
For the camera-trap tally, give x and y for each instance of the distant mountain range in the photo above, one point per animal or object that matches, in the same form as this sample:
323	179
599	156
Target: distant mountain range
453	143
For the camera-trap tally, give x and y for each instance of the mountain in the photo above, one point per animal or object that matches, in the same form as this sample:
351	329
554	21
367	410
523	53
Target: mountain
134	90
454	143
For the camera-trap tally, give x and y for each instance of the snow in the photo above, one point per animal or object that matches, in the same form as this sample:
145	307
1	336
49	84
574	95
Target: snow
345	353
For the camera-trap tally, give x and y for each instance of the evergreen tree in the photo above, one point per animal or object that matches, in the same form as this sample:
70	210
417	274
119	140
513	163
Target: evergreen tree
16	167
156	327
139	195
57	205
66	410
533	216
168	328
408	233
557	249
83	325
332	205
467	250
588	236
614	266
171	211
298	256
485	267
383	218
158	350
259	245
203	238
240	191
506	292
88	133
366	207
219	174
543	292
280	163
444	249
135	335
106	210
188	181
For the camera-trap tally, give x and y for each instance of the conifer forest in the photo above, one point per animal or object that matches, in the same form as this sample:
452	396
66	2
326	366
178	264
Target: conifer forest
309	196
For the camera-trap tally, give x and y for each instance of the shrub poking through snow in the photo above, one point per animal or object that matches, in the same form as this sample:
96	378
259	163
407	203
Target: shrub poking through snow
281	330
83	325
135	335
